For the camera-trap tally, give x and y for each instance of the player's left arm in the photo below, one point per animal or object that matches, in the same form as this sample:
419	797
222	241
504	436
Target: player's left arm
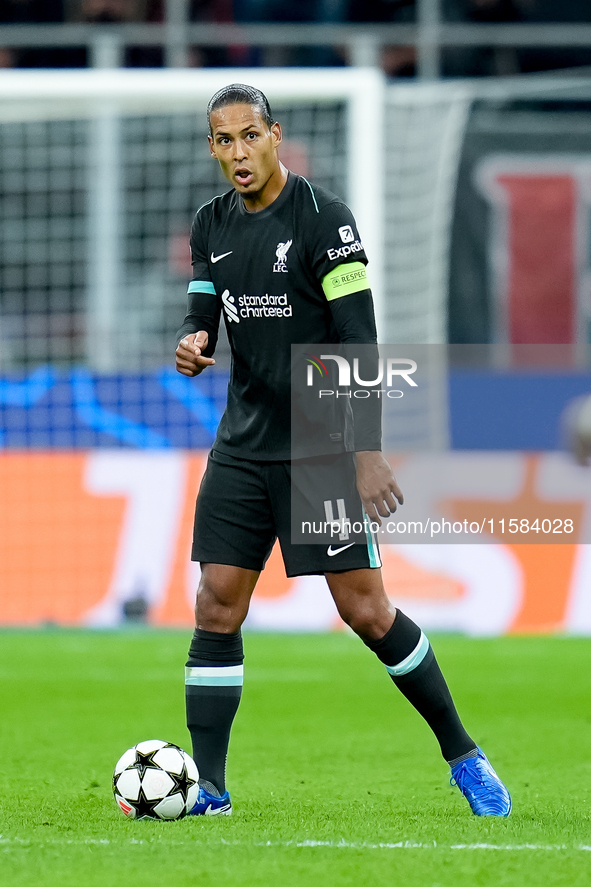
338	262
354	319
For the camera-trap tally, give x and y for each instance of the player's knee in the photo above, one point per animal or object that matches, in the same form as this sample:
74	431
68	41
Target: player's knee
367	618
219	606
360	618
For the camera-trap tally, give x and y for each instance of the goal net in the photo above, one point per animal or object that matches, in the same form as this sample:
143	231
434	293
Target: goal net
102	172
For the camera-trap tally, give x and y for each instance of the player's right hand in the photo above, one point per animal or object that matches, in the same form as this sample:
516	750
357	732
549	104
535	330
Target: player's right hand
189	361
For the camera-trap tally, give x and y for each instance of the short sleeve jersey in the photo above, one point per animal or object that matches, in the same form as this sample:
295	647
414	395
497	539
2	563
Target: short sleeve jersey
266	269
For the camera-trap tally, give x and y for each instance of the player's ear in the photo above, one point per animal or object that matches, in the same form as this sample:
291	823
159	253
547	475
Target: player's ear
211	146
277	134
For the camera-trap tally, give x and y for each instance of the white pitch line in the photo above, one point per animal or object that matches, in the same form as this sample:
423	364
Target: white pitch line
334	845
411	845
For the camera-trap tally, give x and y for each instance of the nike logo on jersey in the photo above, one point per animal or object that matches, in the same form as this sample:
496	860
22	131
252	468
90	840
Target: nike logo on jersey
215	259
332	551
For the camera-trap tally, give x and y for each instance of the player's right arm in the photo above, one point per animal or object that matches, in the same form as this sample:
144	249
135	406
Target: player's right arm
189	354
197	338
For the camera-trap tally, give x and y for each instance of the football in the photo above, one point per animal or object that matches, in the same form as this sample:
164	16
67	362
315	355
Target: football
155	780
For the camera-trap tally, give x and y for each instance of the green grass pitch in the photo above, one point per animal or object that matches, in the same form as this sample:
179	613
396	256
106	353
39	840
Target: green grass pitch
335	779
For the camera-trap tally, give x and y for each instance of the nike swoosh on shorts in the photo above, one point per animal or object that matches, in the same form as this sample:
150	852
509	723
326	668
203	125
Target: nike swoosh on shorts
331	552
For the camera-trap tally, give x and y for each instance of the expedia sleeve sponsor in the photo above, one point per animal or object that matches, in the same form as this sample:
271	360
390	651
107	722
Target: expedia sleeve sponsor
335	241
341	252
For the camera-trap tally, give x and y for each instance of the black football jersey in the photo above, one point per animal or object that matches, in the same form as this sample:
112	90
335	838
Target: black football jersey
264	271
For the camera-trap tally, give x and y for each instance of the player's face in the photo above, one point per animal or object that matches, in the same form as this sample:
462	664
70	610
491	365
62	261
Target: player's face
245	147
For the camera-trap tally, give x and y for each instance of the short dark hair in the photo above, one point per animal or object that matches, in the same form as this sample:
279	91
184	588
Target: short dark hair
240	94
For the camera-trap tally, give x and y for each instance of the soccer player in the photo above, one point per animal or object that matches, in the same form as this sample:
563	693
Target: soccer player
269	254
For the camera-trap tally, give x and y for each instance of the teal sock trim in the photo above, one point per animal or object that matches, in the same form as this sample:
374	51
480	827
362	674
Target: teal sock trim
202	676
413	660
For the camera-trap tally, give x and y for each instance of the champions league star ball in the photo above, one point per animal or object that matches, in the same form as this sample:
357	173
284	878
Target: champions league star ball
155	780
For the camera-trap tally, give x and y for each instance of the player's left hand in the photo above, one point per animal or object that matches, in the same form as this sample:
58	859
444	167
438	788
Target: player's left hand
577	427
380	494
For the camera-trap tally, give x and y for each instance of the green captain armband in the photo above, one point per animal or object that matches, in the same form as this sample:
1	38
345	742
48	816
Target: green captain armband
344	280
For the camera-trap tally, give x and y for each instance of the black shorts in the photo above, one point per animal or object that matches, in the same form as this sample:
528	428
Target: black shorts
243	506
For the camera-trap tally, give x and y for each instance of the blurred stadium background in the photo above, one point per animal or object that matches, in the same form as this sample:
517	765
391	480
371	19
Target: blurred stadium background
460	133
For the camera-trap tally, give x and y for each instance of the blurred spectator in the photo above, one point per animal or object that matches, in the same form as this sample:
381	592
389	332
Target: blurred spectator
21	11
117	12
108	11
491	11
397	61
210	11
400	61
554	11
8	57
480	61
477	61
303	11
16	12
382	11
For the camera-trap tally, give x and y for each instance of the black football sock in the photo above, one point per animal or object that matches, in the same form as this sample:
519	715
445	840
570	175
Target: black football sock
411	663
213	686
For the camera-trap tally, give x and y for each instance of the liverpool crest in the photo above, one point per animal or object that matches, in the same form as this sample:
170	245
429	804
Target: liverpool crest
281	253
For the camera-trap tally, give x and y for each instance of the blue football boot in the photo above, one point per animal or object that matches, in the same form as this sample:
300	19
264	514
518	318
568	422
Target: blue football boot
211	805
481	786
